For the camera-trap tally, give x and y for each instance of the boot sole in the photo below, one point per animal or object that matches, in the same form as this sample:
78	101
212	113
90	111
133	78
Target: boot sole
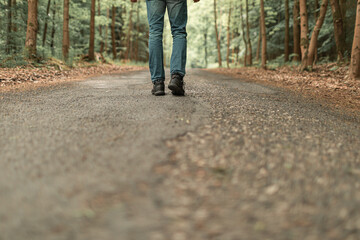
159	93
175	90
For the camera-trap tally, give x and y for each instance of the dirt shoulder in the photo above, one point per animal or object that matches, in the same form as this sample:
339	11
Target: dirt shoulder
29	77
327	83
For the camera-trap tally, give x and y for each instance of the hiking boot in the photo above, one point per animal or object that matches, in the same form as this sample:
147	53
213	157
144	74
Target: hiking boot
176	85
158	88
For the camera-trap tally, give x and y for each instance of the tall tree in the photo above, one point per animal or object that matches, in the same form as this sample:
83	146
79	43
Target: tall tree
315	34
100	30
304	29
9	42
317	6
106	29
32	29
339	28
243	35
53	27
355	53
66	35
136	51
296	31
217	35
257	56
113	43
263	35
228	37
248	40
129	33
46	22
92	31
287	32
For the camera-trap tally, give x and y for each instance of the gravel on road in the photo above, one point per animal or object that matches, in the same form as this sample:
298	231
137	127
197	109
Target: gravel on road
104	159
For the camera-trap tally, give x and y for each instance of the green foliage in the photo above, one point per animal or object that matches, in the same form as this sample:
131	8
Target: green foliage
202	49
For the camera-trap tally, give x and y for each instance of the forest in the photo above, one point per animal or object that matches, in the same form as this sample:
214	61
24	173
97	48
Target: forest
224	33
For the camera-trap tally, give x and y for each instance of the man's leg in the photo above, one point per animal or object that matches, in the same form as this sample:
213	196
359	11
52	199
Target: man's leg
156	11
177	10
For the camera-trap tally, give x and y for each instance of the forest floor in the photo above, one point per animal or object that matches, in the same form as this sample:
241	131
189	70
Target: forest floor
328	83
54	72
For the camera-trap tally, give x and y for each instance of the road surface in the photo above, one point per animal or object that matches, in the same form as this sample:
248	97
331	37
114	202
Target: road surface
103	159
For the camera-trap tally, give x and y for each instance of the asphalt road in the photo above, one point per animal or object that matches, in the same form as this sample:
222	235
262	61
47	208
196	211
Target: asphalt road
103	159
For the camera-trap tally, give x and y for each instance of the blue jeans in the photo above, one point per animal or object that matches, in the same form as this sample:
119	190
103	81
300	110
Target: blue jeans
177	10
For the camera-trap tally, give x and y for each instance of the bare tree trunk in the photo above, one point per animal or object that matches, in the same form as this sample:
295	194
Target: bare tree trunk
304	43
315	34
106	29
296	31
137	33
92	31
128	37
46	23
14	24
248	40
233	48
228	37
53	28
339	29
66	37
206	50
14	10
287	32
243	35
217	35
317	6
355	53
100	30
258	43
263	35
9	42
32	29
113	43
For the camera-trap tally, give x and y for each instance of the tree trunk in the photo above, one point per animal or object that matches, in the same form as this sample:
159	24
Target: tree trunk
92	32
304	43
46	23
128	37
287	33
53	28
258	43
296	31
217	35
355	53
66	37
106	29
316	13
9	42
263	35
137	33
100	31
339	29
113	43
249	47
315	34
243	35
14	9
228	37
317	6
206	50
32	29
